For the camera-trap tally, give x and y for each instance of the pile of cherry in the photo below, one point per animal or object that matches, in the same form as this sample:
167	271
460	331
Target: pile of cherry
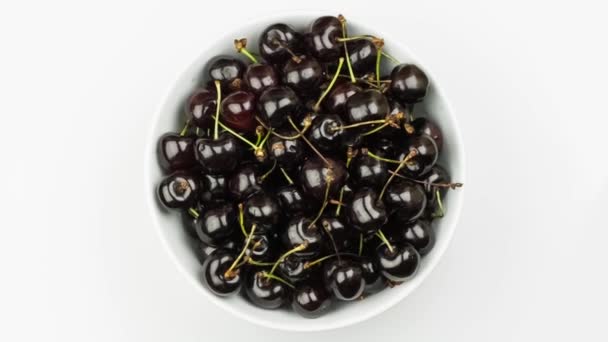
303	176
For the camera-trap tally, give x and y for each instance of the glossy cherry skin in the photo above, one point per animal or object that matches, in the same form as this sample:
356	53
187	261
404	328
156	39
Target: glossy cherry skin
214	278
419	234
276	39
238	111
310	301
262	209
365	212
262	246
346	281
322	39
371	275
299	231
368	171
341	234
335	102
244	182
425	158
179	190
203	250
190	222
325	132
292	268
292	200
276	104
391	132
428	127
176	152
437	174
288	153
382	146
399	265
259	77
313	177
409	84
405	199
201	108
366	105
219	156
217	224
304	77
363	55
214	188
229	71
266	293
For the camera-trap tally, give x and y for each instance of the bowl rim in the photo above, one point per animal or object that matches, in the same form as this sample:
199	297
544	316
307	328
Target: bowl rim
306	326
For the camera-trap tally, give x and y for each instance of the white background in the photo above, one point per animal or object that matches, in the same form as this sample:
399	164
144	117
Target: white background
80	260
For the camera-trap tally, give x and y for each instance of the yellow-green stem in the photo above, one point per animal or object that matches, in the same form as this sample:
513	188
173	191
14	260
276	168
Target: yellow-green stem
218	104
331	84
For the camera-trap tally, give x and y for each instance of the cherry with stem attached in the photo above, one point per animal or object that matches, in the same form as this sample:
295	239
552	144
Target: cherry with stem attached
241	47
331	84
346	54
407	158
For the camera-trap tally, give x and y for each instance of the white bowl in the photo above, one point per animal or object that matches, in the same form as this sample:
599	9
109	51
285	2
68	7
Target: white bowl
170	118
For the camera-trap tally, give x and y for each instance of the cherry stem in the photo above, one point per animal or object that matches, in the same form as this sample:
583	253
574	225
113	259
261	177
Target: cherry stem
241	46
359	124
242	220
261	143
378	59
312	147
382	237
294	57
229	130
360	80
407	158
360	244
375	130
327	186
258	263
346	54
440	211
289	180
350	153
360	37
185	129
307	122
269	172
391	58
259	132
193	213
377	157
272	276
331	84
296	249
310	264
325	225
229	273
452	186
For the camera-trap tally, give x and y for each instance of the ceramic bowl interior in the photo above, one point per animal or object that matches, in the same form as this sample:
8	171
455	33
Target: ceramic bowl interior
170	117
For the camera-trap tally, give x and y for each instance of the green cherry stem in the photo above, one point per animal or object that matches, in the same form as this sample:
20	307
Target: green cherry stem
272	276
289	180
185	129
261	143
310	264
241	46
325	201
230	273
382	237
307	122
378	59
407	158
440	211
359	124
218	105
229	130
312	147
269	172
360	244
193	213
325	225
346	54
331	84
375	130
391	58
350	153
377	157
452	186
242	220
259	133
259	263
296	249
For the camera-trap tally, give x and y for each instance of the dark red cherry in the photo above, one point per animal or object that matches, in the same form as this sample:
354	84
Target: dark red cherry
189	221
276	104
203	250
346	281
368	171
264	292
408	83
335	102
176	152
214	277
214	188
300	231
366	105
362	54
437	174
288	153
371	274
383	146
244	182
326	133
292	200
419	234
405	199
217	224
292	268
426	155
322	39
238	111
428	127
259	77
179	190
304	76
400	264
262	246
313	177
229	71
391	132
365	212
262	208
219	156
310	301
201	108
343	236
276	40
